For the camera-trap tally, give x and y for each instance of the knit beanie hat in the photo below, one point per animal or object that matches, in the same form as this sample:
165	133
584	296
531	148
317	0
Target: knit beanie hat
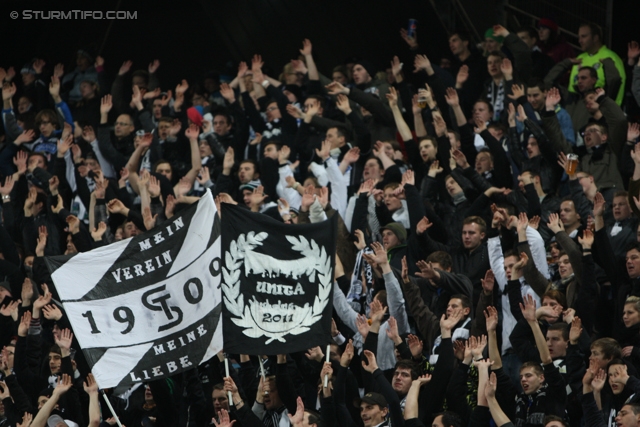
367	65
195	115
489	35
397	229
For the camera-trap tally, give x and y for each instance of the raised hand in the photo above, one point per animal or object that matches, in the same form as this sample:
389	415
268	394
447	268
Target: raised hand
347	354
598	204
491	318
462	76
376	311
517	91
106	104
529	308
25	136
633	131
488	282
125	67
64	384
415	345
507	69
42	240
97	234
149	220
371	364
153	66
421	63
362	324
553	99
392	97
392	331
576	330
90	385
315	353
335	88
554	223
411	41
6	189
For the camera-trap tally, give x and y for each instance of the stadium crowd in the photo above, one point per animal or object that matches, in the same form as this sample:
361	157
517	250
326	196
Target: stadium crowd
488	262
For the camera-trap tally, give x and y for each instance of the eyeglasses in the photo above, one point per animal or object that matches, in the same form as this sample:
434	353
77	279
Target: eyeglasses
592	130
45	122
122	124
270	109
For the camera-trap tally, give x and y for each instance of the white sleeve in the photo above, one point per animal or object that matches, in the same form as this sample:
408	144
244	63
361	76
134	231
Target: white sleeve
536	244
395	300
316	213
344	310
348	216
496	260
320	173
107	168
70	171
289	194
338	187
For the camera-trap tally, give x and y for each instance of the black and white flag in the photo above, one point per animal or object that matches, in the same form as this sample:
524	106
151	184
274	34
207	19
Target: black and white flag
150	306
277	281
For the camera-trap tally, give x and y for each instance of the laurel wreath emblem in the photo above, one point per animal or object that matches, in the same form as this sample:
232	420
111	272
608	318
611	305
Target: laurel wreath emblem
246	314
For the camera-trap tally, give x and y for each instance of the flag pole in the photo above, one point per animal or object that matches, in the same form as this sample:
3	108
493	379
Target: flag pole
326	376
106	399
226	372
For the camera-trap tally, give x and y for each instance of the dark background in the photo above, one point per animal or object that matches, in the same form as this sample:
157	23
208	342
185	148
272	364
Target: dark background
192	37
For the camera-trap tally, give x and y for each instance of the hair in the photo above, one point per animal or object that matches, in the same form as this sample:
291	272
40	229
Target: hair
141	73
497	53
464	36
165	119
592	71
533	33
314	418
378	160
534	173
632	245
455	133
391	186
498	126
253	162
621	193
535	365
595	29
275	142
340	69
428	138
55	349
557	296
316	184
406	364
466	302
635	301
551	418
38	154
539	83
615	361
475	220
318	98
487	102
610	347
509	253
635	407
342	131
47	114
450	419
382	297
562	327
442	258
602	127
219	386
